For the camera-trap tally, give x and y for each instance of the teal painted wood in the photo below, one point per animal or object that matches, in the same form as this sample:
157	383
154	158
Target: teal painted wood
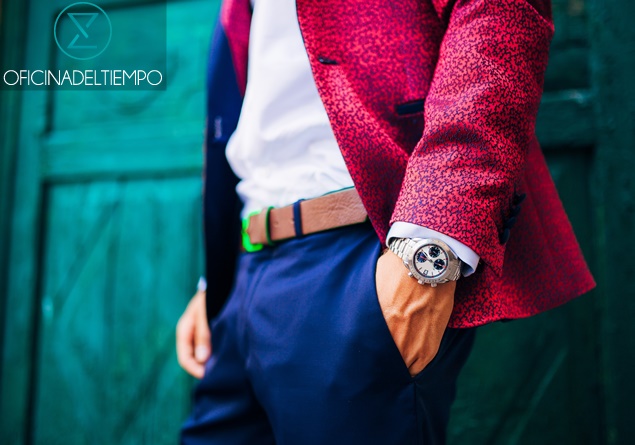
11	54
566	120
118	269
613	65
569	58
67	321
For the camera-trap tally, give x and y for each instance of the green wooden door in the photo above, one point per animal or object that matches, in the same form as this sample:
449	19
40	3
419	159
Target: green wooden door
105	242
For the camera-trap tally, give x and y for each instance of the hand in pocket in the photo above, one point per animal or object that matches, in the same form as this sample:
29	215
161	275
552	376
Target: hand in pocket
417	315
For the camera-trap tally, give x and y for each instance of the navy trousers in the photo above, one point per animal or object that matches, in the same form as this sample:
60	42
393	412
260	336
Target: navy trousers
302	355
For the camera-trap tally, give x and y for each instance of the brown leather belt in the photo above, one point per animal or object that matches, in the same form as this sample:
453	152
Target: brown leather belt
337	209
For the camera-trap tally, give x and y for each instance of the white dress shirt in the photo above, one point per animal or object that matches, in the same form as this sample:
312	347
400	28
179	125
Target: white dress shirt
283	148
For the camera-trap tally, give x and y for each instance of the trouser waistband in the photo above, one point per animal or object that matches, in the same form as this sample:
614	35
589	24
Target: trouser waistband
304	217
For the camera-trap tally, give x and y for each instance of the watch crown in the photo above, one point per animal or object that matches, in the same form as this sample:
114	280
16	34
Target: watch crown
410	274
433	284
420	282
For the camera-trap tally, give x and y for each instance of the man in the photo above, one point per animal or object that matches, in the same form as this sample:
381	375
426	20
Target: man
383	150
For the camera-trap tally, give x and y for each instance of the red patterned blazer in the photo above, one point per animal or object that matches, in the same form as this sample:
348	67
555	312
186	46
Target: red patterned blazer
433	104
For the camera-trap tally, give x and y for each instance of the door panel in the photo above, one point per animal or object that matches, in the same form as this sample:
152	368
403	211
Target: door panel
115	262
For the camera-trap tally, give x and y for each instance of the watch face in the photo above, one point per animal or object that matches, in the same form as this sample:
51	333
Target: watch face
431	261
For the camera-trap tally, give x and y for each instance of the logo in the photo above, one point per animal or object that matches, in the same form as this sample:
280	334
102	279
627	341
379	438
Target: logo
83	31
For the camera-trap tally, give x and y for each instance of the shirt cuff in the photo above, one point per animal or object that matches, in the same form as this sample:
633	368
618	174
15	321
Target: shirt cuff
469	258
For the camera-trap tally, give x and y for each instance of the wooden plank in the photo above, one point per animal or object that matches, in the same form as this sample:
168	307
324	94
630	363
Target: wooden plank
12	40
23	271
566	120
613	64
23	278
568	66
569	54
117	151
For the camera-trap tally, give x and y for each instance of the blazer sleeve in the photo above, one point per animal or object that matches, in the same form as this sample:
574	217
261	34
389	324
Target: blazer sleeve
480	116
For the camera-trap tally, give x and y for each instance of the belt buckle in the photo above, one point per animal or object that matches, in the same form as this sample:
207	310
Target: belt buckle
247	245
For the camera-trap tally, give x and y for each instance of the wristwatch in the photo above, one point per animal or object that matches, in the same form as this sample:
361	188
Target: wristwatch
428	260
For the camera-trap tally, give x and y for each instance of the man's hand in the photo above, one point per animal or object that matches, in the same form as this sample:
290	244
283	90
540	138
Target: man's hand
193	338
416	315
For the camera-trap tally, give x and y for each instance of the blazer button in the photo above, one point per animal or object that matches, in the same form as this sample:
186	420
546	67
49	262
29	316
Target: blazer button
510	222
504	237
519	198
326	61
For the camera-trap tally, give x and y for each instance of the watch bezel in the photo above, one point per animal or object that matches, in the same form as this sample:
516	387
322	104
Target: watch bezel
452	271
